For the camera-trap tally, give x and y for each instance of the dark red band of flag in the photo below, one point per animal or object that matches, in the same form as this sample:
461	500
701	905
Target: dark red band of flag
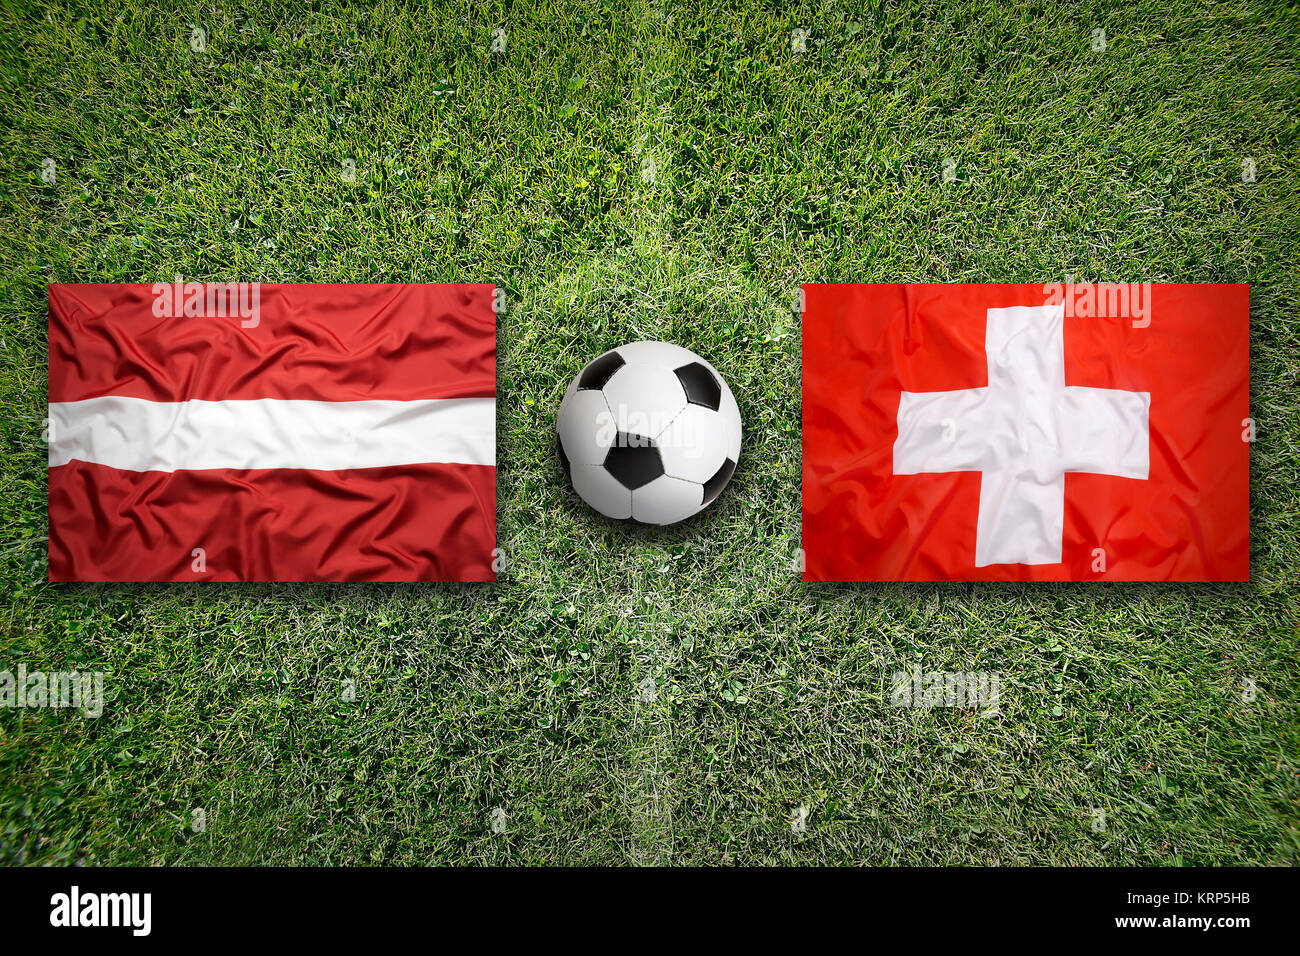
332	343
408	523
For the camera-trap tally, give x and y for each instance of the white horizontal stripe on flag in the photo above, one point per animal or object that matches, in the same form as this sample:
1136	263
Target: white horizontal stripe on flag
135	434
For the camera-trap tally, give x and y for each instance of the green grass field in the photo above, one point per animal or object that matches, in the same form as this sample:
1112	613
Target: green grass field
647	170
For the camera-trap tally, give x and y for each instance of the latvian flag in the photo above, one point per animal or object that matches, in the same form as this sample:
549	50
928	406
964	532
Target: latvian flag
1088	432
234	432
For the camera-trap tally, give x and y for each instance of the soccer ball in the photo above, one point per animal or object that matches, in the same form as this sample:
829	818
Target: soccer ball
650	432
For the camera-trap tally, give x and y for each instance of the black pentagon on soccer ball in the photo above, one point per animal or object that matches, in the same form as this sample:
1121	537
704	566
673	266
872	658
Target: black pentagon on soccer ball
595	375
634	461
700	385
713	487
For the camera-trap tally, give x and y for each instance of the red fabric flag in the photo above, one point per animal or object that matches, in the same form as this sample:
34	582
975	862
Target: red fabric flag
243	432
1026	432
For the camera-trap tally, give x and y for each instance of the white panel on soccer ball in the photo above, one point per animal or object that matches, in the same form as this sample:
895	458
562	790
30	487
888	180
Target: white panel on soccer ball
657	354
644	400
666	355
729	412
694	446
586	428
666	500
601	490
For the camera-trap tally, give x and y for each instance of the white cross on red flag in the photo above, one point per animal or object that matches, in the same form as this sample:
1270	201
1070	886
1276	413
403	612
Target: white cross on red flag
1026	432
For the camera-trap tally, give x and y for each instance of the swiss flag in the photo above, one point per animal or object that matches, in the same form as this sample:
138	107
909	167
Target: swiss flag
1094	432
245	432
